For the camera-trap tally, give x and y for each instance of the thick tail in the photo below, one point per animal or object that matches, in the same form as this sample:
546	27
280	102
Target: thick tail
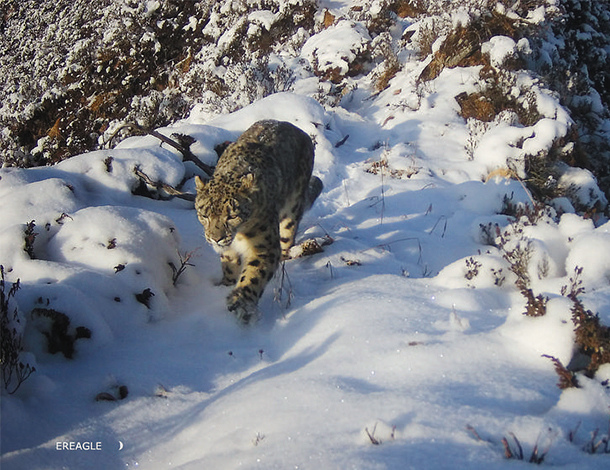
313	191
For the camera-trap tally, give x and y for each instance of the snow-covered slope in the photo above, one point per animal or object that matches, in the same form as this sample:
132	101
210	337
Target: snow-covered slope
402	345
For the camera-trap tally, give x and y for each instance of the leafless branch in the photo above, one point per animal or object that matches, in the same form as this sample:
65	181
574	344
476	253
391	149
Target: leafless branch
164	186
187	155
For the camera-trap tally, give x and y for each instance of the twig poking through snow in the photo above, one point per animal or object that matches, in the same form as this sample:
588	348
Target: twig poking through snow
371	435
442	217
284	287
184	262
536	457
474	432
329	266
342	141
258	439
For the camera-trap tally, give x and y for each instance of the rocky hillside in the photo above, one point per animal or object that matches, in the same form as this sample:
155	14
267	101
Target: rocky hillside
72	72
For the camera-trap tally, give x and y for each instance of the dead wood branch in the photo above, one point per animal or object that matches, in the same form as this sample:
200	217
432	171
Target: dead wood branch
187	155
164	186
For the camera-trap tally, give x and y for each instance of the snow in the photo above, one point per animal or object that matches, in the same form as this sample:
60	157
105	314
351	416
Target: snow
461	17
336	47
499	48
264	18
596	268
402	345
583	186
387	346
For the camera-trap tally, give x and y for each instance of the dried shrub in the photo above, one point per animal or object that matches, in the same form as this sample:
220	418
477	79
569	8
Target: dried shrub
407	8
93	67
495	98
383	167
427	35
583	30
14	370
472	268
392	67
567	378
536	304
542	177
515	451
145	297
575	288
184	263
544	171
284	292
288	21
108	62
598	444
310	246
591	337
519	258
56	328
462	47
30	238
524	215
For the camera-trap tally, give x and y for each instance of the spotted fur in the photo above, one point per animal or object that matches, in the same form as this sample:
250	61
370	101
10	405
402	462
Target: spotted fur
252	206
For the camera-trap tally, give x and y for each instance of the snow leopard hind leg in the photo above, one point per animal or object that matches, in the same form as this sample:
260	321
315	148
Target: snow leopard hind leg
292	215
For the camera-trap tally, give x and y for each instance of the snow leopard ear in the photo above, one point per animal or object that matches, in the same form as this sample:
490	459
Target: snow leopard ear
199	183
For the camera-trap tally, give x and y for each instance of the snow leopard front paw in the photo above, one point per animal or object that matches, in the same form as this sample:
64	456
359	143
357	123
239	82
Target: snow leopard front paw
244	309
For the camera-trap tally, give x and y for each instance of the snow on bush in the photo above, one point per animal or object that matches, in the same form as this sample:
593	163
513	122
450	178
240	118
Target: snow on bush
500	49
90	262
333	52
72	70
585	253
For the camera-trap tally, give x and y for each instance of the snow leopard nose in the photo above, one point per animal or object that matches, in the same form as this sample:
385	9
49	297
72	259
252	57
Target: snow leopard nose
220	240
226	241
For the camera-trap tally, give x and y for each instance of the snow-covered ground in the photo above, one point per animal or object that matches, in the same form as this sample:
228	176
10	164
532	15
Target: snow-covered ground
402	345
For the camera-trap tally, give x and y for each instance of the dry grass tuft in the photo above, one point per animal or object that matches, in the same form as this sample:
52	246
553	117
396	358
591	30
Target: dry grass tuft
567	378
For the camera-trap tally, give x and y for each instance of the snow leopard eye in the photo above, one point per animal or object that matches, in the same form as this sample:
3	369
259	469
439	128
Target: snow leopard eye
204	219
233	219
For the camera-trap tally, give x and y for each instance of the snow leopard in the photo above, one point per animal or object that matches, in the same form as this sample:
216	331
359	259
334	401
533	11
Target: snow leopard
251	207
